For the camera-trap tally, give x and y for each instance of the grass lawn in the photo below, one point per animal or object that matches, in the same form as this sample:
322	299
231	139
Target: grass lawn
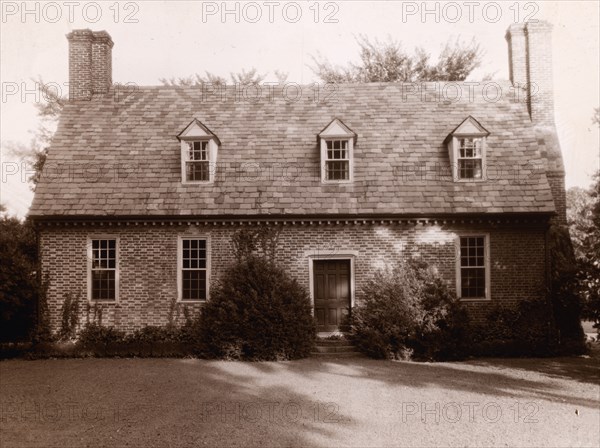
313	402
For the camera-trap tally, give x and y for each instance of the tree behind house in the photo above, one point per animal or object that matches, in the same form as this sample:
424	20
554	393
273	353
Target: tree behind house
388	62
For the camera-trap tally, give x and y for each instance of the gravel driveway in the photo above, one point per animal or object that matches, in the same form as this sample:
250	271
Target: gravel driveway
313	402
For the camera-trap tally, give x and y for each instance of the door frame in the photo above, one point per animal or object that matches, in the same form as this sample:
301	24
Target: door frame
319	255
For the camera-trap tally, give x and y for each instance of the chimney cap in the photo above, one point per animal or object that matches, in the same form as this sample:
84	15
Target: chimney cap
539	25
83	34
103	36
515	28
87	34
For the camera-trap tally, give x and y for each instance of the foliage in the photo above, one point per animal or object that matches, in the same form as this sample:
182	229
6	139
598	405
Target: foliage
256	311
408	310
579	218
99	337
388	62
263	241
19	286
584	227
42	332
243	77
527	329
70	317
48	111
564	296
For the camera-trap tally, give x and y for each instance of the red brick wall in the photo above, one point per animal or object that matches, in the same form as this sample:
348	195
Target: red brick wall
148	261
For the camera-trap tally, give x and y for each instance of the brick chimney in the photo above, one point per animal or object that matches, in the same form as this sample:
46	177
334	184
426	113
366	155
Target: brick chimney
90	63
530	67
530	64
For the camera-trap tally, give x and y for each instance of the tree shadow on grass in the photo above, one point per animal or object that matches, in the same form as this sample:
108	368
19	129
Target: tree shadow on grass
165	402
312	402
508	381
580	369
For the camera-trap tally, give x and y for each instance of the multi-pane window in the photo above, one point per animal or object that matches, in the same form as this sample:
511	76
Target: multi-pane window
337	163
470	159
103	269
472	267
197	163
193	269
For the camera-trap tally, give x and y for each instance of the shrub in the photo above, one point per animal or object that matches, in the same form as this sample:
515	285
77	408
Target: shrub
99	339
19	283
524	330
256	312
408	311
153	334
566	302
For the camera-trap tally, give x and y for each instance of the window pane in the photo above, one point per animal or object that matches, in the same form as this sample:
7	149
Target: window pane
338	170
194	285
469	168
103	285
197	171
473	282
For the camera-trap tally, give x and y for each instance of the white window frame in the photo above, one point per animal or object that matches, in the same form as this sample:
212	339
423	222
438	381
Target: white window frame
325	159
455	150
487	266
90	238
185	158
180	239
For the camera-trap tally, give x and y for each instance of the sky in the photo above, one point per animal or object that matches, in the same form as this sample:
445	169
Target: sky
164	39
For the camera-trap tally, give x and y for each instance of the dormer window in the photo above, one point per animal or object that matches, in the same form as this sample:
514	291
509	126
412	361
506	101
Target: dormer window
336	142
196	165
470	158
198	153
466	146
337	160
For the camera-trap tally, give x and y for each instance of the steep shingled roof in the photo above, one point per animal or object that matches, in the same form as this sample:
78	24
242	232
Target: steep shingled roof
120	156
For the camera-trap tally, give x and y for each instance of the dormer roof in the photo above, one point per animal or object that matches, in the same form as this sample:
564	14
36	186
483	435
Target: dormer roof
468	127
196	130
337	129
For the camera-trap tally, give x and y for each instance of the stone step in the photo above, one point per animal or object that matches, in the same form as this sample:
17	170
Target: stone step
334	348
336	355
332	342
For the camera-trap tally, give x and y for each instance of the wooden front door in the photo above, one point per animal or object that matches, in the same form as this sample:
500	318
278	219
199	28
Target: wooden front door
331	293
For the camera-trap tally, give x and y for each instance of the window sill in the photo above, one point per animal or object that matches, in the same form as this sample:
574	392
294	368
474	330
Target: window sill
462	181
337	182
197	182
475	299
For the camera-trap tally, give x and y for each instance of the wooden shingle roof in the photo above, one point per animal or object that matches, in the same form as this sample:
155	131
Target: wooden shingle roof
118	155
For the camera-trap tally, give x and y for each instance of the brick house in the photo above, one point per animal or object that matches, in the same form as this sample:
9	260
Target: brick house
143	188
